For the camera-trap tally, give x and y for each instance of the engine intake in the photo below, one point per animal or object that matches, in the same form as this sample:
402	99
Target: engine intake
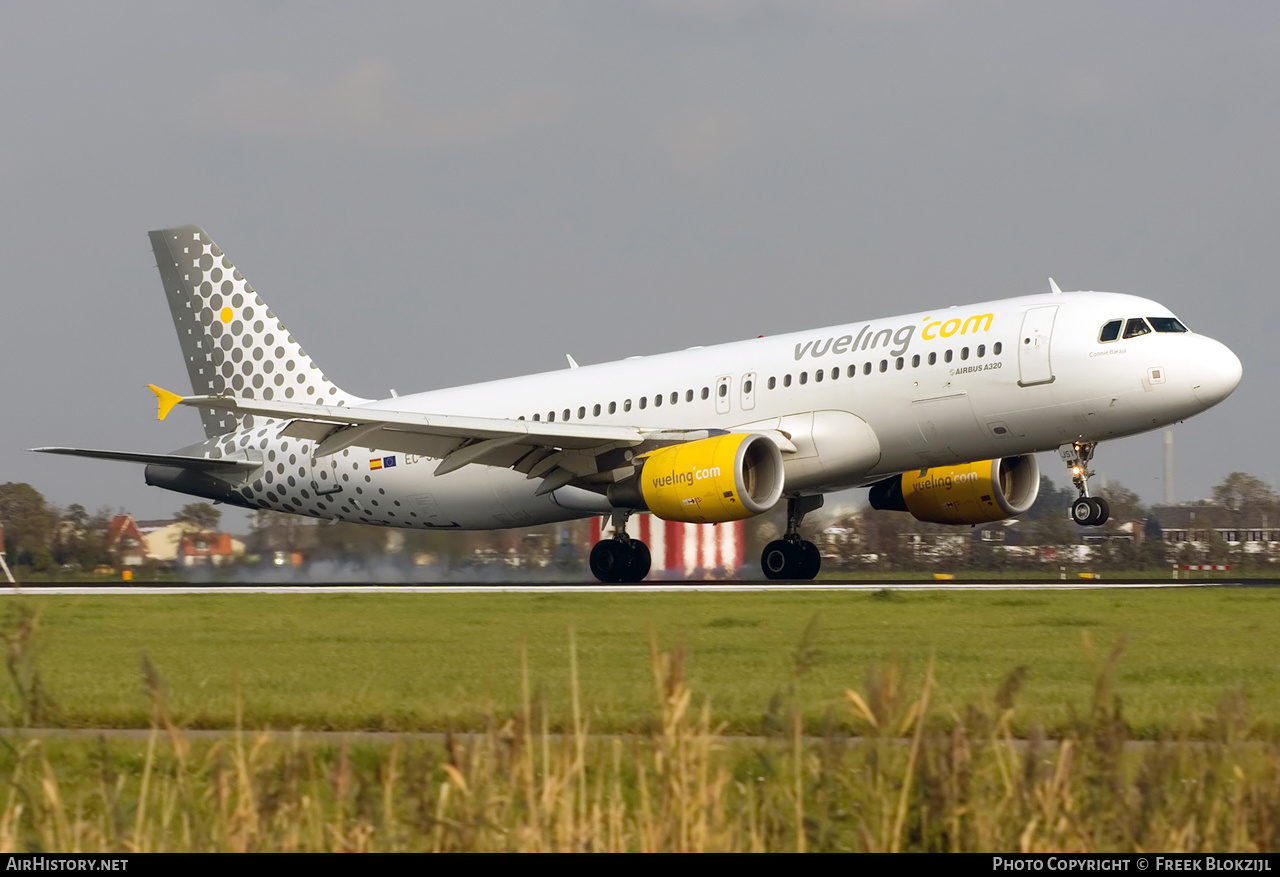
974	493
709	481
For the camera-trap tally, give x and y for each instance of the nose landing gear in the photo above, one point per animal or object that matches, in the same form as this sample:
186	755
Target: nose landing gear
1087	511
792	557
620	559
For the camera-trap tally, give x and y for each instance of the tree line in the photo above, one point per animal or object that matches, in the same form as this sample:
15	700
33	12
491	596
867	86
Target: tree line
44	537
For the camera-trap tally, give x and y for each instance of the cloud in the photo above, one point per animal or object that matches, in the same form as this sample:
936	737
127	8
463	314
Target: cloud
369	105
698	141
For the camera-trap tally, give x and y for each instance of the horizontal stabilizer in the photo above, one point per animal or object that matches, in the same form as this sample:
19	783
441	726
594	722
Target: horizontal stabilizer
178	461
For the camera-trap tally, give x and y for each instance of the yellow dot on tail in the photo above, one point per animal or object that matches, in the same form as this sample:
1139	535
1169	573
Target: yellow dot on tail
227	314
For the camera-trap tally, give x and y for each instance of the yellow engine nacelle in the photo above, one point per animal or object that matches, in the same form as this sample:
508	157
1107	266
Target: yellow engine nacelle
973	493
709	481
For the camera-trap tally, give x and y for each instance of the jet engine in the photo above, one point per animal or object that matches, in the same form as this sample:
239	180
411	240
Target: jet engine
708	481
974	493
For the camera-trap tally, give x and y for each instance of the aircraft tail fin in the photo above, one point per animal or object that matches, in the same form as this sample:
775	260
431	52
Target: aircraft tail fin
232	342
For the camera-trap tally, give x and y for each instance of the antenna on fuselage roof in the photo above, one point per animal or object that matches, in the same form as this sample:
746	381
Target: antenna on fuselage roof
1053	287
573	363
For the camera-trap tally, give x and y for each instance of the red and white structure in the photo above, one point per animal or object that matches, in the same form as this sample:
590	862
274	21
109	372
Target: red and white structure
686	550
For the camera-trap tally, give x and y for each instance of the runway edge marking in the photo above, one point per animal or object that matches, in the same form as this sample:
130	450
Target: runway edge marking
682	588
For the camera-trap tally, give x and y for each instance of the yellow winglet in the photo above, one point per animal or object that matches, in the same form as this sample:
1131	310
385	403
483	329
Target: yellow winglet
167	399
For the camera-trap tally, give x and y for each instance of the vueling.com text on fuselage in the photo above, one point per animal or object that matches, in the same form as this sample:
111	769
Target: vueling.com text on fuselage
866	339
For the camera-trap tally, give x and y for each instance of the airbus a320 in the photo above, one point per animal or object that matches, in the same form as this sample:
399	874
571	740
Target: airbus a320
939	413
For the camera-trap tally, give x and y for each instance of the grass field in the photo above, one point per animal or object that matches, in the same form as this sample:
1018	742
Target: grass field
431	662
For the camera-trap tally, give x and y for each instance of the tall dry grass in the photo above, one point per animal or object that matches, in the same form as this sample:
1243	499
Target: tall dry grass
916	779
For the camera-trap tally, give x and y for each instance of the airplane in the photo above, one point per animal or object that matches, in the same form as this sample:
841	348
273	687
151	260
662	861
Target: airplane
939	413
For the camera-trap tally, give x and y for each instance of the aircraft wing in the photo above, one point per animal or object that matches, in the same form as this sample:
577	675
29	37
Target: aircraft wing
182	461
557	452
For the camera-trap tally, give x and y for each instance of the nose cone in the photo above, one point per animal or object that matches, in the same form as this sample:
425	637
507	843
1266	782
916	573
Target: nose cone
1217	373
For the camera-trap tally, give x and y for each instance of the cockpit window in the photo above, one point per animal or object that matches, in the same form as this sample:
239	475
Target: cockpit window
1135	327
1111	331
1166	324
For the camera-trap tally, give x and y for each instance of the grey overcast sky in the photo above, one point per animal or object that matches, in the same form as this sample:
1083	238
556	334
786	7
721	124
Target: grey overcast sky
437	193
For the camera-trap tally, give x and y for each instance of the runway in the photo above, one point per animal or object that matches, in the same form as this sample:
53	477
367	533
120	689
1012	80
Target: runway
74	590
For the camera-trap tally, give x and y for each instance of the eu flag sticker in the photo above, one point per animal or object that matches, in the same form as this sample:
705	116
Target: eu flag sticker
388	462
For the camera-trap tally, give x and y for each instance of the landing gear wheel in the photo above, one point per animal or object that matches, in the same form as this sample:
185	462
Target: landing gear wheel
1090	511
609	561
796	560
614	561
810	561
778	560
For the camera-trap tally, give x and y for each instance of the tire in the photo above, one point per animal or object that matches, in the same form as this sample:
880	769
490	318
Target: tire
608	563
777	561
1103	511
810	561
639	560
1083	511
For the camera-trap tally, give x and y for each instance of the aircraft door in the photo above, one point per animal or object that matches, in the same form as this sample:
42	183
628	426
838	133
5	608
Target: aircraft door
747	392
724	385
1034	365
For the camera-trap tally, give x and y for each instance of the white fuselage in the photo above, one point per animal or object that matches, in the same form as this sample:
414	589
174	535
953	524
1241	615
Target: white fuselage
859	402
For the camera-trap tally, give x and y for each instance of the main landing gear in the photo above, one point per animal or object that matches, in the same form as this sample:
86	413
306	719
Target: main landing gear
620	559
1087	511
792	557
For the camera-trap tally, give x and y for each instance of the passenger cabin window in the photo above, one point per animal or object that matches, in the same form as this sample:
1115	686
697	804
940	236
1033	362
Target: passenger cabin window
964	352
819	374
866	368
773	382
595	410
613	407
551	416
705	392
1135	327
884	365
947	356
626	404
688	395
996	348
1166	324
724	390
982	350
933	359
1110	332
915	361
786	380
747	385
582	413
644	402
853	370
657	400
897	363
675	397
835	373
804	377
566	414
536	417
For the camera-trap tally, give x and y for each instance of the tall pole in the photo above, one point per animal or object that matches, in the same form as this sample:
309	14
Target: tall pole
1168	467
